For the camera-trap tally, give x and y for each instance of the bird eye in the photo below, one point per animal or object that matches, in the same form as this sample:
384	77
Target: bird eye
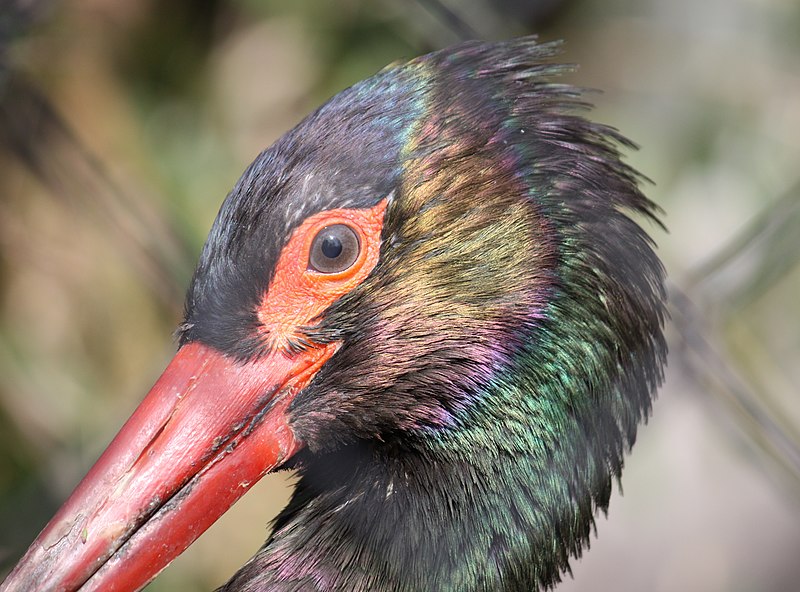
335	248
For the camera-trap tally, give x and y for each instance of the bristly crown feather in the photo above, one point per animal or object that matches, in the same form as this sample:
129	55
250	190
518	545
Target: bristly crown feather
494	366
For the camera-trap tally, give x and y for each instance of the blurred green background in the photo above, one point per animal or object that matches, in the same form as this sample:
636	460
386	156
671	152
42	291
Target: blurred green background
124	124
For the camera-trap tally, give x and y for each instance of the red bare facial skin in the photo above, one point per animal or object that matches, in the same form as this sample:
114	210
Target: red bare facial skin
207	431
298	293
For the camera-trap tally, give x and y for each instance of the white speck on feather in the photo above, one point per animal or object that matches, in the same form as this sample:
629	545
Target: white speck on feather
347	502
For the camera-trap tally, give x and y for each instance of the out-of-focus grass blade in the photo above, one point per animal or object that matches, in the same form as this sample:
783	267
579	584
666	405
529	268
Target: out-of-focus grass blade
33	131
753	261
749	266
704	359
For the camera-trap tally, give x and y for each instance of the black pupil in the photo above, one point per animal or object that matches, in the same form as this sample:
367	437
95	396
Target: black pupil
331	247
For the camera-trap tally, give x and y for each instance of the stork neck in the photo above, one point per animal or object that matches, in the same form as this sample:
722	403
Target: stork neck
368	518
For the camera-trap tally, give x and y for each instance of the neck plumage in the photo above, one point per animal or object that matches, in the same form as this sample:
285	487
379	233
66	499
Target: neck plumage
420	524
489	509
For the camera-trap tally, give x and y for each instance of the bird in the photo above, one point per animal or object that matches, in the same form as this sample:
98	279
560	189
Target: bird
435	300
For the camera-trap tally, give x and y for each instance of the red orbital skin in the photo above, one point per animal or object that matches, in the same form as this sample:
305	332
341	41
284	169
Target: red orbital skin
298	294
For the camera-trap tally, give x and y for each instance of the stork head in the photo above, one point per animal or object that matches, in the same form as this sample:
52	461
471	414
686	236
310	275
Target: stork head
440	253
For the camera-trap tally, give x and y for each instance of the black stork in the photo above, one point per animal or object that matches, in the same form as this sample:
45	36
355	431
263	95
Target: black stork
430	301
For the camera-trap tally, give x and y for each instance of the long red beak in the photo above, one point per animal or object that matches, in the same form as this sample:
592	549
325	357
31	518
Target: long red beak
208	430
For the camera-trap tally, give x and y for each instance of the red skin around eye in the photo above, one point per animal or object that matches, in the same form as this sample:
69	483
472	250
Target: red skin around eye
297	294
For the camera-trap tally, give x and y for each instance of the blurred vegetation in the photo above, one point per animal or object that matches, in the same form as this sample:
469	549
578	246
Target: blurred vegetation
124	124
